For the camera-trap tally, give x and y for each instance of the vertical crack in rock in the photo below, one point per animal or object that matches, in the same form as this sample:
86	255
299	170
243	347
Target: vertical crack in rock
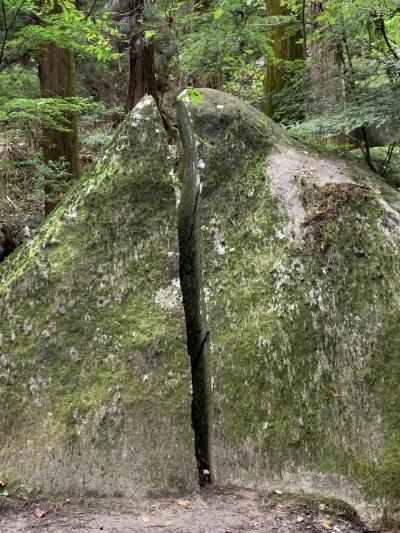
192	293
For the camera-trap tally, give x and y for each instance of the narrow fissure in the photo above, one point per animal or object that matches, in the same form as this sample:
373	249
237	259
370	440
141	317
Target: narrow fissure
198	335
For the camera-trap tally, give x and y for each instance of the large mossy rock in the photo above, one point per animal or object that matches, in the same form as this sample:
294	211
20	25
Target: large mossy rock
94	375
290	273
301	284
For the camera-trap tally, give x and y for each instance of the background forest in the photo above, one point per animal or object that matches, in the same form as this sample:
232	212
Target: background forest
329	71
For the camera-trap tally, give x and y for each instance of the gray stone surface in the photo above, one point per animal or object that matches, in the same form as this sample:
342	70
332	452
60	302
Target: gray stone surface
94	374
300	271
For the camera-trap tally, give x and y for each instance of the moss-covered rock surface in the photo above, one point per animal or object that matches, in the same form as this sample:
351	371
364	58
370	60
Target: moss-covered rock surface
94	374
300	267
289	264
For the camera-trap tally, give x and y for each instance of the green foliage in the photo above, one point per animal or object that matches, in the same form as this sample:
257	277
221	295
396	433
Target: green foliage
246	81
31	165
69	28
20	81
218	13
26	26
195	96
49	112
222	44
352	76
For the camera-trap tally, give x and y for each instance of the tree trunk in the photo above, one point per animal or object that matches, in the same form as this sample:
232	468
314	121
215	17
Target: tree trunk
3	186
326	78
286	47
326	69
57	80
142	79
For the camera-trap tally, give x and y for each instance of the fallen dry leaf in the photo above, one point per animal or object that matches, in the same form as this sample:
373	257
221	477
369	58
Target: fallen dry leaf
184	503
326	525
278	492
334	392
2	484
39	513
145	519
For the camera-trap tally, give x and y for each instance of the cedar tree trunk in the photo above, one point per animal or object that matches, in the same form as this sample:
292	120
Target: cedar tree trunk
142	79
326	75
57	80
286	47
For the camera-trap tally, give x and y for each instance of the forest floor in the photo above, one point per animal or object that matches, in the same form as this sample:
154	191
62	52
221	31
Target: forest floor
216	510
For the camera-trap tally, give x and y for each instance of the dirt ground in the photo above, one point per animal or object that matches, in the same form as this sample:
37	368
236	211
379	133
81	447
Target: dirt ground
216	510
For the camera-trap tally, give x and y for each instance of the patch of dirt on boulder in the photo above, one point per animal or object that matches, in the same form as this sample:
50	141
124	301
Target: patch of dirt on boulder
217	510
290	170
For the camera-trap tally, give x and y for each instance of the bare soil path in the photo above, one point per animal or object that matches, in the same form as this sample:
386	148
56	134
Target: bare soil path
216	510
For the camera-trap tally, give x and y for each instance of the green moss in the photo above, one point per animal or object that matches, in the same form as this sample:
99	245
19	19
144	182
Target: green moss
381	478
315	504
297	326
94	376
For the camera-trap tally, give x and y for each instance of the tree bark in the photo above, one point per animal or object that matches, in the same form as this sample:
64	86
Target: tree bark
326	71
3	186
325	63
142	79
57	80
286	47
